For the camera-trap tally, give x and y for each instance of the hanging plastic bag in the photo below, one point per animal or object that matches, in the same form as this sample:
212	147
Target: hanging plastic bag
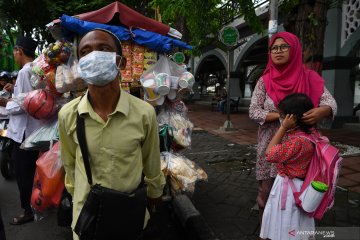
49	180
67	77
181	127
42	138
58	52
183	172
40	66
161	80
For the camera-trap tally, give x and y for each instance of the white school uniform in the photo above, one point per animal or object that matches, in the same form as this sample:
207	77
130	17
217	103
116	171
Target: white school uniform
278	224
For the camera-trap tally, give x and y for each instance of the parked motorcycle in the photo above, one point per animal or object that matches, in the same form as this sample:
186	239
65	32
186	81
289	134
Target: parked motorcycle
6	163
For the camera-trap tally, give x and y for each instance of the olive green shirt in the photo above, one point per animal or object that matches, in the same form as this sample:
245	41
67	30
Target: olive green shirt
119	149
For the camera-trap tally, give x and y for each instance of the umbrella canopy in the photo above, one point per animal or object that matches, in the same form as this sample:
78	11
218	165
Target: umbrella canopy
117	13
126	16
154	41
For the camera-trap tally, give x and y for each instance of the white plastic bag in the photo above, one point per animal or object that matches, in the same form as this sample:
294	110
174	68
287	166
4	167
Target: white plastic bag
67	78
183	172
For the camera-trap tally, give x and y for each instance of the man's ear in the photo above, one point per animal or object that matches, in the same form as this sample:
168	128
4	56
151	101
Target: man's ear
123	63
21	51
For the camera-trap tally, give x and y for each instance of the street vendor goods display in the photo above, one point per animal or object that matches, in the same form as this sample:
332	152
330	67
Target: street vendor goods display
175	130
149	72
44	66
163	80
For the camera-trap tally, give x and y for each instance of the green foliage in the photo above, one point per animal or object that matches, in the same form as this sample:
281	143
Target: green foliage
205	18
247	10
313	20
288	5
201	18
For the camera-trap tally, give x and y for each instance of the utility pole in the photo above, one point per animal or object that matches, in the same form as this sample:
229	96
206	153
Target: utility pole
273	17
229	36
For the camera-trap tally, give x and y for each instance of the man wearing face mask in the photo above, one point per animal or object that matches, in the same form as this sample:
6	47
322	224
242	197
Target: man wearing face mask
121	130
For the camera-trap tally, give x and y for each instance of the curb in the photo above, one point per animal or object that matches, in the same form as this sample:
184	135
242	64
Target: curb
191	219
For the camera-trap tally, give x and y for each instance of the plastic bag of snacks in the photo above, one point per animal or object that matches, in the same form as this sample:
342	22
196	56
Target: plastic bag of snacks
40	66
150	59
58	53
183	172
137	61
67	77
49	181
181	127
49	79
126	73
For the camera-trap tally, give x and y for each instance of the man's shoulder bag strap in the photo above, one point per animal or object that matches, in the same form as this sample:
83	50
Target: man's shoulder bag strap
80	131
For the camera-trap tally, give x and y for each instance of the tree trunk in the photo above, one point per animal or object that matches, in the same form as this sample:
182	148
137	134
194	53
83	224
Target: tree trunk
308	22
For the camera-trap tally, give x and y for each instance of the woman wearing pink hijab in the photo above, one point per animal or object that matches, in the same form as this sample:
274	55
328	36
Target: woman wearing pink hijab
284	74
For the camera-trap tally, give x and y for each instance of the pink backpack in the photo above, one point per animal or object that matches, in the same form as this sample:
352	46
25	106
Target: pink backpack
325	167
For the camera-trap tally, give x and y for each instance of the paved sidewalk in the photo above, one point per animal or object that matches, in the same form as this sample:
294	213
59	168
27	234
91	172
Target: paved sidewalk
227	199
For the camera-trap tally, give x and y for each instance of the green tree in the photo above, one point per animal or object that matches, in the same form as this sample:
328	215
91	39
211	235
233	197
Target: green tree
307	19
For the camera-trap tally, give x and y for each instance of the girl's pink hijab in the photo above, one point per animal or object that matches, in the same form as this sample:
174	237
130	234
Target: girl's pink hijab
293	77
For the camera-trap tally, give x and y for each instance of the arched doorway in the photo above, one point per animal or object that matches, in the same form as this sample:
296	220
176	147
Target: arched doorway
209	74
251	64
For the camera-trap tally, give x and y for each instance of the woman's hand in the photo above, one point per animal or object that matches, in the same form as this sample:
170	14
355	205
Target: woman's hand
314	115
288	122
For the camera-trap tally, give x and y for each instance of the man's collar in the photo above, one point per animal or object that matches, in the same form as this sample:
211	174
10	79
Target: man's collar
122	106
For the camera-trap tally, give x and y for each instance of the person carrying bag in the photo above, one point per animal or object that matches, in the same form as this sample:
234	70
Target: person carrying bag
122	140
107	212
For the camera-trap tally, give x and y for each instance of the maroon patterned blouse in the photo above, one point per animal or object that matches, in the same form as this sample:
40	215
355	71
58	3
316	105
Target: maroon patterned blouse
292	156
261	104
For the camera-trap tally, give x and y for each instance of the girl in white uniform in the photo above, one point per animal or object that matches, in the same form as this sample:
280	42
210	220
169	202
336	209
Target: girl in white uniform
282	219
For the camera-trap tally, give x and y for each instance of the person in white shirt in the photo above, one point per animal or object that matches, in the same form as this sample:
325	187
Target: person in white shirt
21	125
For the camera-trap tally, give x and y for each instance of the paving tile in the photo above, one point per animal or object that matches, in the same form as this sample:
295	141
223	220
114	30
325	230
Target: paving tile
344	182
354	167
355	177
355	189
346	170
348	161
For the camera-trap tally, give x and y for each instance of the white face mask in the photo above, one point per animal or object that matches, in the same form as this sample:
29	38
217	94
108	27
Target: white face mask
98	68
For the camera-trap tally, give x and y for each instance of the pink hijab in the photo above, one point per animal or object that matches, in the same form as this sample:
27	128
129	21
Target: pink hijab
293	77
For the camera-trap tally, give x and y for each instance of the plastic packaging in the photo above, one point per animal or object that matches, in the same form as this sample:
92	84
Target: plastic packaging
181	127
49	181
67	78
183	172
164	77
42	138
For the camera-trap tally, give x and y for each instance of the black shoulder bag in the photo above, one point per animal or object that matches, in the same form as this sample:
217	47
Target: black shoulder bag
108	213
